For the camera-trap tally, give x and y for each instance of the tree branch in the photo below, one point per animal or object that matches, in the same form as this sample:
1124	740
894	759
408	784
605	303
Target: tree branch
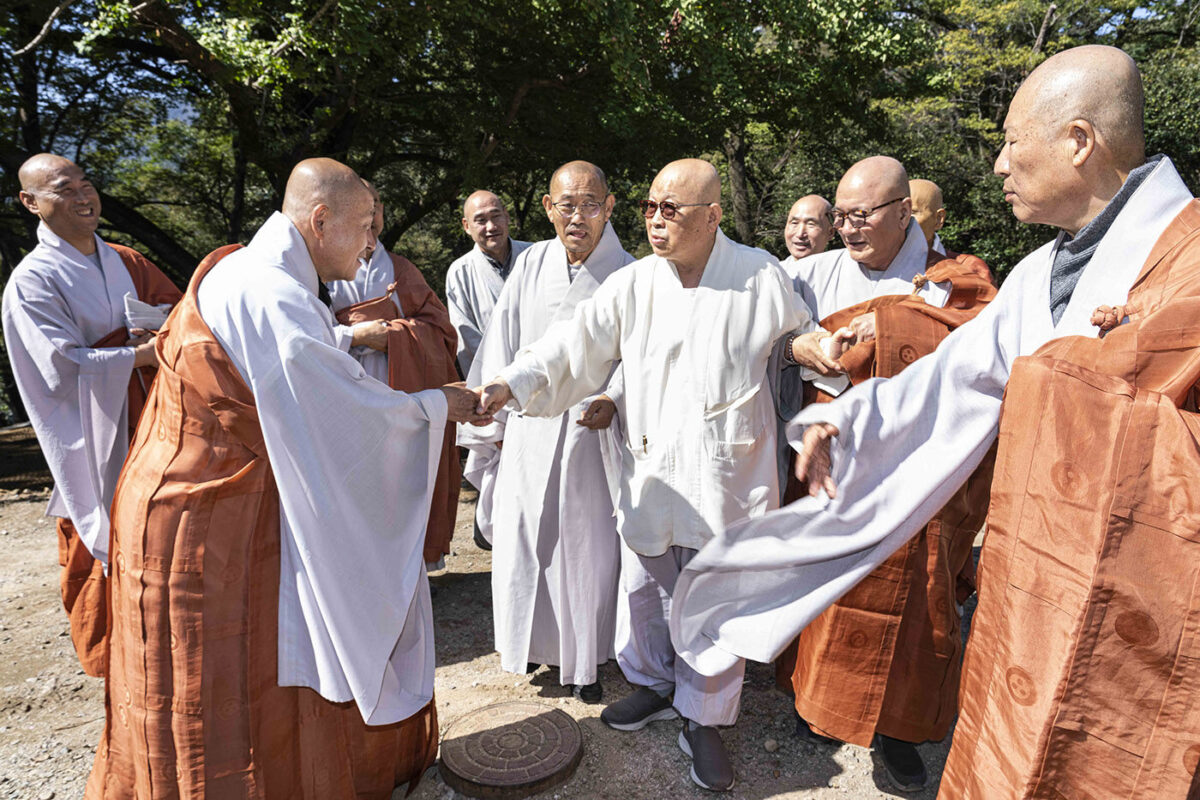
61	7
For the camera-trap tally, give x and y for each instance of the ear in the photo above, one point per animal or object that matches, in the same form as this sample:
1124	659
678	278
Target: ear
29	200
941	219
546	204
317	219
905	212
466	229
1082	137
715	213
609	202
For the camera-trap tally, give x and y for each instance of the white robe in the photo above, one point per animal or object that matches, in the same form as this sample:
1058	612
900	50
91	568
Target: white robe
355	465
56	304
472	286
699	446
371	281
555	556
906	444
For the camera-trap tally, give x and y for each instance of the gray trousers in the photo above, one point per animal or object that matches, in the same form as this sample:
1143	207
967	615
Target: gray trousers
644	650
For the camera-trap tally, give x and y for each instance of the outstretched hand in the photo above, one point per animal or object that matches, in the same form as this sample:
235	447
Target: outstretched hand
599	414
814	463
462	405
493	396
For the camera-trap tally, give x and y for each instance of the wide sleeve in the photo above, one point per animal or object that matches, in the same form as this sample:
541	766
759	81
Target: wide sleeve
462	315
575	356
905	446
355	463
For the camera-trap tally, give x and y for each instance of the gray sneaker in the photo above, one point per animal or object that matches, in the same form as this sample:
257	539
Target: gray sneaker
638	710
710	764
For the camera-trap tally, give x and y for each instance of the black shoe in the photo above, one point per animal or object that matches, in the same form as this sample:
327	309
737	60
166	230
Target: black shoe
591	693
531	667
805	732
638	710
902	762
710	763
480	542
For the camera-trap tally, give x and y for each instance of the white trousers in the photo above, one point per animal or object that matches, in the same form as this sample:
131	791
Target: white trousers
644	650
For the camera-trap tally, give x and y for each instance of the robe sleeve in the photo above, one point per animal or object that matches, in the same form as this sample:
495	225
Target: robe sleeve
573	359
905	446
355	464
343	337
462	317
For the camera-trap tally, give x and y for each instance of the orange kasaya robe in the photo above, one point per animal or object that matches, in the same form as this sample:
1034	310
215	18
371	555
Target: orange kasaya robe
903	616
193	706
422	347
1082	676
973	264
82	581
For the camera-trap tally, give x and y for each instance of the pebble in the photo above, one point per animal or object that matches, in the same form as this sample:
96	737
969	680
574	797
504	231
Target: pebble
47	795
770	745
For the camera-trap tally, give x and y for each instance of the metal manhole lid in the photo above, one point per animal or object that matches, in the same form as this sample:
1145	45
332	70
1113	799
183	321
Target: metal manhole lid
510	750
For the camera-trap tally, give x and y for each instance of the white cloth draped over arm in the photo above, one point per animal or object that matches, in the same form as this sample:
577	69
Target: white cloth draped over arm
56	304
355	465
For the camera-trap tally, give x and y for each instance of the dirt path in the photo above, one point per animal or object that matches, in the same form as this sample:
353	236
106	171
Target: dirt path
51	714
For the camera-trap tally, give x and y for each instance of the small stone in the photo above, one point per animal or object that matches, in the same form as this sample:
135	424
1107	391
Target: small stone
47	795
770	745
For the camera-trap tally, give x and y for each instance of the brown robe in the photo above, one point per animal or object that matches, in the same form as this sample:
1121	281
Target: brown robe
1082	677
82	581
193	706
973	264
886	657
422	347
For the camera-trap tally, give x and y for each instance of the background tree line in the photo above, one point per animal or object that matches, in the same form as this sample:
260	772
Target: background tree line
190	114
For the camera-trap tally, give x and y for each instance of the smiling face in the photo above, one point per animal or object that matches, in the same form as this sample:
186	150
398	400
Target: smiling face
871	183
807	231
486	222
57	191
579	234
343	234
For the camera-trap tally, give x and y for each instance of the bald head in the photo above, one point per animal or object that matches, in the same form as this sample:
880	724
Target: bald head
55	190
486	221
333	211
578	170
1096	83
807	230
1072	135
696	178
927	207
686	237
873	195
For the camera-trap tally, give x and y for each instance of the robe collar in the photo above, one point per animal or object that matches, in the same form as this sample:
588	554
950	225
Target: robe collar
279	242
61	248
908	262
1121	255
608	256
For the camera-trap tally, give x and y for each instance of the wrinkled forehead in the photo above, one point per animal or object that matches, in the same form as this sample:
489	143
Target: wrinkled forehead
57	176
486	207
864	191
807	209
578	185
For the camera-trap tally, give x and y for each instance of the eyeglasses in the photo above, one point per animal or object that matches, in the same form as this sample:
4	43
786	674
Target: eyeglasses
589	209
669	210
857	218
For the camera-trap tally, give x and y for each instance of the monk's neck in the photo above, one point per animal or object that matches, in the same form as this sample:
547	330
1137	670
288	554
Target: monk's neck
85	245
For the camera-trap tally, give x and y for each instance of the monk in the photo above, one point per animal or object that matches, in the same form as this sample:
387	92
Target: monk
401	334
555	547
473	283
807	231
82	366
271	632
1079	675
901	300
930	213
693	326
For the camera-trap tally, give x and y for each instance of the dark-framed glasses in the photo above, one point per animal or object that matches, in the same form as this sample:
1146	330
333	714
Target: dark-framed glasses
590	209
858	218
669	210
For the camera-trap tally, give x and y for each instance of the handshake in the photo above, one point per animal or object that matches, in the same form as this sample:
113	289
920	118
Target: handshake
476	406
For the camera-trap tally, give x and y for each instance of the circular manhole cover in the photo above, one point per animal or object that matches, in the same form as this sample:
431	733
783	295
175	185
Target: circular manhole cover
510	750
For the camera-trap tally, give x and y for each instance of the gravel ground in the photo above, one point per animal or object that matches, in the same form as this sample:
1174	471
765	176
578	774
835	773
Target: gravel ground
51	714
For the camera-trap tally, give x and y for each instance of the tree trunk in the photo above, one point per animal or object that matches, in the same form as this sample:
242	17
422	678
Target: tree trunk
735	153
237	213
170	256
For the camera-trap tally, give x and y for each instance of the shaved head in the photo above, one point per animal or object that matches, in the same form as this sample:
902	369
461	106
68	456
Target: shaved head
685	236
486	221
579	169
1096	83
1072	135
807	230
333	210
927	207
56	191
875	193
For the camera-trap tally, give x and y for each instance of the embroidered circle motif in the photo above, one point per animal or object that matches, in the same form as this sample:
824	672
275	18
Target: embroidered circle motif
908	354
1068	479
858	639
1137	628
1191	759
1020	686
